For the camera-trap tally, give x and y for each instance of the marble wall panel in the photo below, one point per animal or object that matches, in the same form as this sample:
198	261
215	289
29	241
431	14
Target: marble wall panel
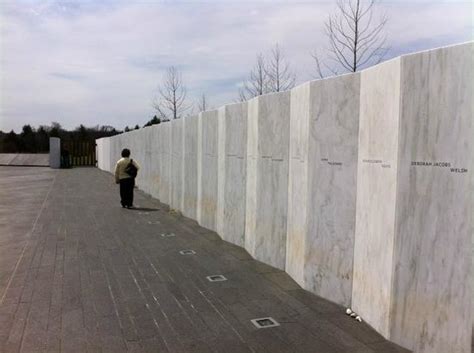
207	169
176	163
155	160
110	156
376	194
115	143
412	261
108	166
98	153
232	151
134	141
149	158
267	188
105	164
432	271
164	185
332	176
298	182
190	163
115	151
251	182
322	187
143	156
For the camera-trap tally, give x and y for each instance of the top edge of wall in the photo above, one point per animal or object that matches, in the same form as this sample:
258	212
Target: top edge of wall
451	46
268	95
331	78
234	104
209	111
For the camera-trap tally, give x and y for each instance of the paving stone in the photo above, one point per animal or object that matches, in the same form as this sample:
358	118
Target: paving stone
362	332
282	279
386	347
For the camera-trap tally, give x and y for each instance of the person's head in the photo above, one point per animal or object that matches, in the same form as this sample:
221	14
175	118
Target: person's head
125	153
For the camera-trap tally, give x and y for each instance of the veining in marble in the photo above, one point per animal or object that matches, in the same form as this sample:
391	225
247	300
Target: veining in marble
376	194
190	163
207	169
431	296
267	178
176	163
322	193
232	164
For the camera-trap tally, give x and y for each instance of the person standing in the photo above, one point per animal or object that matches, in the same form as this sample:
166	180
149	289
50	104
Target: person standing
125	172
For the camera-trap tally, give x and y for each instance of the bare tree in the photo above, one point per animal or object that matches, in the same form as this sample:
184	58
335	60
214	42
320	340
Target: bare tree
203	103
171	101
280	76
257	82
356	39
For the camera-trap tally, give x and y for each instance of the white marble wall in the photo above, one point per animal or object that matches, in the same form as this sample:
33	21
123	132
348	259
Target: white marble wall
251	182
376	194
412	261
322	188
232	164
115	150
143	155
433	224
176	163
106	153
190	164
99	154
102	157
106	161
267	178
297	228
207	169
409	274
155	160
164	187
150	148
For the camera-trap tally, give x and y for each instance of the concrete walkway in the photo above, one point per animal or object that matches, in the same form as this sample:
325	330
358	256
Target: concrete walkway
80	274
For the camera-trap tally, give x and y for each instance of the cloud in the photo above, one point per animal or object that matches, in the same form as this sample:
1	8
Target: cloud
67	76
100	62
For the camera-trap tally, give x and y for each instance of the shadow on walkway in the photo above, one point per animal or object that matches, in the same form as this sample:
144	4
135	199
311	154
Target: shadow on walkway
144	209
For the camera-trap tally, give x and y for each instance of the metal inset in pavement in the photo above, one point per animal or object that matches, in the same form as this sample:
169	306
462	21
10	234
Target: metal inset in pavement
265	322
216	278
187	252
168	235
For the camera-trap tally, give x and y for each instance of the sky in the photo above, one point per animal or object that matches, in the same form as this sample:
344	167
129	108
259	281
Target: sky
101	62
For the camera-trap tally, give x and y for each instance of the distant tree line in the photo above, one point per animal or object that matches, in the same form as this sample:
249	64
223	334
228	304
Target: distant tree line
36	140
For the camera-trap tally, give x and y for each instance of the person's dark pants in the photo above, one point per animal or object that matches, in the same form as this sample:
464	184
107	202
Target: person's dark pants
126	191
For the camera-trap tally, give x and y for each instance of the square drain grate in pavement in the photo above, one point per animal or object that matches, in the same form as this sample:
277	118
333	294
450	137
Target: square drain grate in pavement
187	252
265	322
168	235
216	278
